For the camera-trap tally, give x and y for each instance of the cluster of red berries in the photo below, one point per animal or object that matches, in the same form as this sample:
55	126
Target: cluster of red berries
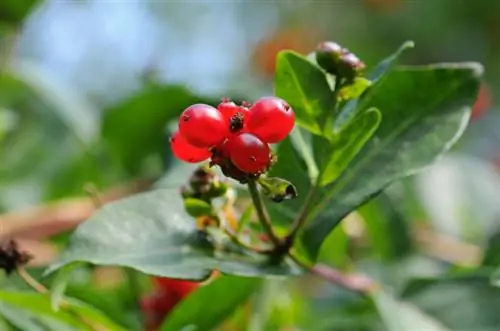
167	294
233	135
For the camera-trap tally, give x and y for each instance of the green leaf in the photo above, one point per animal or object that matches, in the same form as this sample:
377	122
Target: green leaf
152	233
425	110
375	76
135	128
197	207
347	143
386	227
399	315
495	278
304	86
277	189
462	302
89	313
492	253
354	90
195	313
14	11
385	66
39	304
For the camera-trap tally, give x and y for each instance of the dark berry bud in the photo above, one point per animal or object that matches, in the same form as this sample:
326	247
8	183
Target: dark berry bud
338	61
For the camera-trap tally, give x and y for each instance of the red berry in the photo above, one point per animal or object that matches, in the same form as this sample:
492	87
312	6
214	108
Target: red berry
234	115
176	287
271	119
186	152
248	153
203	126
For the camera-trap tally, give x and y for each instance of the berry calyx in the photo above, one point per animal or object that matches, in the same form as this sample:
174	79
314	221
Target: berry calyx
187	152
234	115
271	119
249	153
203	126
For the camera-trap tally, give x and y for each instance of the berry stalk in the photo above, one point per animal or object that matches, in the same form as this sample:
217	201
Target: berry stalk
259	207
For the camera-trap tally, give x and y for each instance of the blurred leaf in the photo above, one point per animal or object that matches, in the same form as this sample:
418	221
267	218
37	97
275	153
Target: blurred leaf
59	284
14	11
387	228
492	254
194	312
39	304
89	313
436	110
461	303
304	86
135	128
346	144
152	233
399	315
24	320
277	189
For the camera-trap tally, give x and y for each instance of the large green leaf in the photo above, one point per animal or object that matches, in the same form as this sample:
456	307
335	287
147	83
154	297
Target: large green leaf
425	110
152	233
401	316
346	144
195	313
135	128
461	303
304	86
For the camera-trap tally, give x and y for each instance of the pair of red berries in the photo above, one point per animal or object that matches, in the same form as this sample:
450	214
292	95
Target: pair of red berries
237	133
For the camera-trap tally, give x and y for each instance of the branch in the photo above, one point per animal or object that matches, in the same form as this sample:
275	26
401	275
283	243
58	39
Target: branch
354	282
46	220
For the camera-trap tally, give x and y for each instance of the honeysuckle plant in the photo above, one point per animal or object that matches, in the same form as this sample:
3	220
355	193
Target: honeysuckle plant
279	174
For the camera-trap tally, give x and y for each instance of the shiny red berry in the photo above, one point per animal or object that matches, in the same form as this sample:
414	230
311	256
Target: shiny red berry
203	126
249	153
187	152
234	115
271	119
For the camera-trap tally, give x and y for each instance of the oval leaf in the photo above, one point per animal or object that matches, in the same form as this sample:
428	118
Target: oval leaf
425	110
152	233
304	86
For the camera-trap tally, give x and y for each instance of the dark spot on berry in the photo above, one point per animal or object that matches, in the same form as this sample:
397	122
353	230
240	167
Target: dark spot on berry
286	106
185	118
252	158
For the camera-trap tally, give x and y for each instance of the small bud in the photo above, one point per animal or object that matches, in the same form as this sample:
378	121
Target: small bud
338	61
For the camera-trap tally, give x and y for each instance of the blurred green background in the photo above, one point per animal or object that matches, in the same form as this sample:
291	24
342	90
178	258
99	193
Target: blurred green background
88	89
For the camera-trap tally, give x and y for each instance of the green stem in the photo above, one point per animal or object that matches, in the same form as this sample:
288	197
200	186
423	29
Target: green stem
260	209
301	219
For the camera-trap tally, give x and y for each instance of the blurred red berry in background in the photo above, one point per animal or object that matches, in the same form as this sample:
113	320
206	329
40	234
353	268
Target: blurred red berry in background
482	104
167	294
